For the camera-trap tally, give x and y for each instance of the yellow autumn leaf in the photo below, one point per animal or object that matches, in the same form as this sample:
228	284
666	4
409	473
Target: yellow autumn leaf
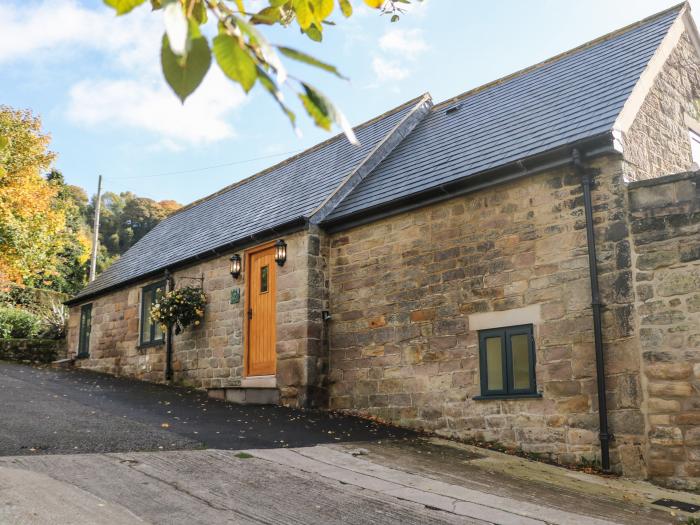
374	4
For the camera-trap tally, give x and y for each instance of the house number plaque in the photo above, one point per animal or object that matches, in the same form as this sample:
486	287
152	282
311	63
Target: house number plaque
235	295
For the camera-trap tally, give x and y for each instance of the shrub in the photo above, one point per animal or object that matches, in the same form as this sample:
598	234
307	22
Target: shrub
18	324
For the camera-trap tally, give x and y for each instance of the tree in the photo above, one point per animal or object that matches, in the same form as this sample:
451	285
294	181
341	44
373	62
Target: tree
125	218
32	218
244	54
72	267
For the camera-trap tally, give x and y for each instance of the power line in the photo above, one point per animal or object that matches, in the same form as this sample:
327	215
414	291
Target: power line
194	170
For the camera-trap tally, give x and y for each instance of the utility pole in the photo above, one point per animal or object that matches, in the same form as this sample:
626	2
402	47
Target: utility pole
96	230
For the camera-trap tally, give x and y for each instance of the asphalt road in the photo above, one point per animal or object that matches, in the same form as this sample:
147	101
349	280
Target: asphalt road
49	411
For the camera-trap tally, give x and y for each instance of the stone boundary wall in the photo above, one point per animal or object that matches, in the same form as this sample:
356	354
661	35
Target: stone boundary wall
32	350
665	229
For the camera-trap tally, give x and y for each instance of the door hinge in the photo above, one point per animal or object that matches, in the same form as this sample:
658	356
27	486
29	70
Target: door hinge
250	313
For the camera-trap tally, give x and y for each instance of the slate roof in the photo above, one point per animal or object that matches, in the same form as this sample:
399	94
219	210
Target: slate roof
290	190
574	96
564	100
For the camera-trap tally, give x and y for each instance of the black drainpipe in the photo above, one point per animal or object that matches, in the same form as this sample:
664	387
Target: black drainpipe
170	285
587	182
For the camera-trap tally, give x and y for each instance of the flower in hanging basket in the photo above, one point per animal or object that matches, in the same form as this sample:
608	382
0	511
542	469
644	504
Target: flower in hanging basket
179	308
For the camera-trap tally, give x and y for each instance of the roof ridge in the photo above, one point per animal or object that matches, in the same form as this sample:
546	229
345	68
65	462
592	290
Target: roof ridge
294	157
378	153
608	36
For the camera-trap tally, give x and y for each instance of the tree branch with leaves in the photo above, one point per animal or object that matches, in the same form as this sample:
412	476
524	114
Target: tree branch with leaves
243	53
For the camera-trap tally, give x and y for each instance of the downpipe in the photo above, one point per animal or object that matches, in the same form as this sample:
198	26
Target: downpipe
170	285
586	175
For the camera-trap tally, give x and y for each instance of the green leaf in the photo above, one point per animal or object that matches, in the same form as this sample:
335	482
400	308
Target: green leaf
313	33
235	61
394	18
268	16
272	88
305	15
184	74
4	141
322	9
324	112
345	8
123	6
308	59
318	113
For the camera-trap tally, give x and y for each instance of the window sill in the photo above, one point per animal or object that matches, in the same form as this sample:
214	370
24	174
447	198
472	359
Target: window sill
536	395
152	344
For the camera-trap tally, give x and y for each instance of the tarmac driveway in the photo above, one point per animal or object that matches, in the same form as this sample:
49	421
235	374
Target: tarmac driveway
78	448
48	411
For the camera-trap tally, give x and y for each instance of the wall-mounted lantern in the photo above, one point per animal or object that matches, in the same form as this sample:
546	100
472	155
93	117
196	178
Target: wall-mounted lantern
280	252
235	266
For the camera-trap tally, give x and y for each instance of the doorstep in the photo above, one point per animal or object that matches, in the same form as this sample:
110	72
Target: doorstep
240	395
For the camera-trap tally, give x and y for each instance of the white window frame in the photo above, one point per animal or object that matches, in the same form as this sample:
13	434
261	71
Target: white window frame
695	146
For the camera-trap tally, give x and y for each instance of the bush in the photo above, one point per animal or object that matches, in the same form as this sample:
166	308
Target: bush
18	324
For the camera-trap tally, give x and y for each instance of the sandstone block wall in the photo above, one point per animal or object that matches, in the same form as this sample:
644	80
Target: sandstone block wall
405	290
211	355
665	225
657	143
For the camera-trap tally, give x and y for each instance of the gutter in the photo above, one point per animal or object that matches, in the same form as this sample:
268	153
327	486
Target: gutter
605	436
598	145
291	226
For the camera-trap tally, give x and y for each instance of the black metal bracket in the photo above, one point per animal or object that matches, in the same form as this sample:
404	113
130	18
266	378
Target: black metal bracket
200	279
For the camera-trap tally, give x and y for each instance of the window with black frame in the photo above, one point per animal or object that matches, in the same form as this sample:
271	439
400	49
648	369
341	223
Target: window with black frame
507	362
151	333
85	328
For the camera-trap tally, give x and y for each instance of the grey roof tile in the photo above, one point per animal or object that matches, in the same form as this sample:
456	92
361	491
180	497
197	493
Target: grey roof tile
570	98
290	190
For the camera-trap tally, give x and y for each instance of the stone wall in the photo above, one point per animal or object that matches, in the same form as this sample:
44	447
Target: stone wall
211	355
657	142
406	290
32	350
665	225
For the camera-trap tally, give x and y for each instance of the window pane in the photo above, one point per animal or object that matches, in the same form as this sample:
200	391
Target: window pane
521	361
146	302
263	279
494	363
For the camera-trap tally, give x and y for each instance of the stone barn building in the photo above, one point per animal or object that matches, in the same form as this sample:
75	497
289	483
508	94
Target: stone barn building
519	264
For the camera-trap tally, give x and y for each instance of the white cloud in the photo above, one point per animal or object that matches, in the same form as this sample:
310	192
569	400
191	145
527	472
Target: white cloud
388	70
56	29
151	106
127	89
406	42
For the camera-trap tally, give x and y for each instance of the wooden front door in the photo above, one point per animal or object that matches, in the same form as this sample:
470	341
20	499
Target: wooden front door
262	321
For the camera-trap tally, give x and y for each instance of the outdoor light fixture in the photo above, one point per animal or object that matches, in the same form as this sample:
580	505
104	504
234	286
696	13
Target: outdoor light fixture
235	265
280	252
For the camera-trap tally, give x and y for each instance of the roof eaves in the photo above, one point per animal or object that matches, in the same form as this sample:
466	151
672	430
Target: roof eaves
592	147
374	158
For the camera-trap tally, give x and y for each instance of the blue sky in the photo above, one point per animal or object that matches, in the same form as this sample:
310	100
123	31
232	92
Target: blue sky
95	81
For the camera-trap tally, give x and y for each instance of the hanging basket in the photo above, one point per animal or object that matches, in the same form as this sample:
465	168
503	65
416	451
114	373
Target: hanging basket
180	308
